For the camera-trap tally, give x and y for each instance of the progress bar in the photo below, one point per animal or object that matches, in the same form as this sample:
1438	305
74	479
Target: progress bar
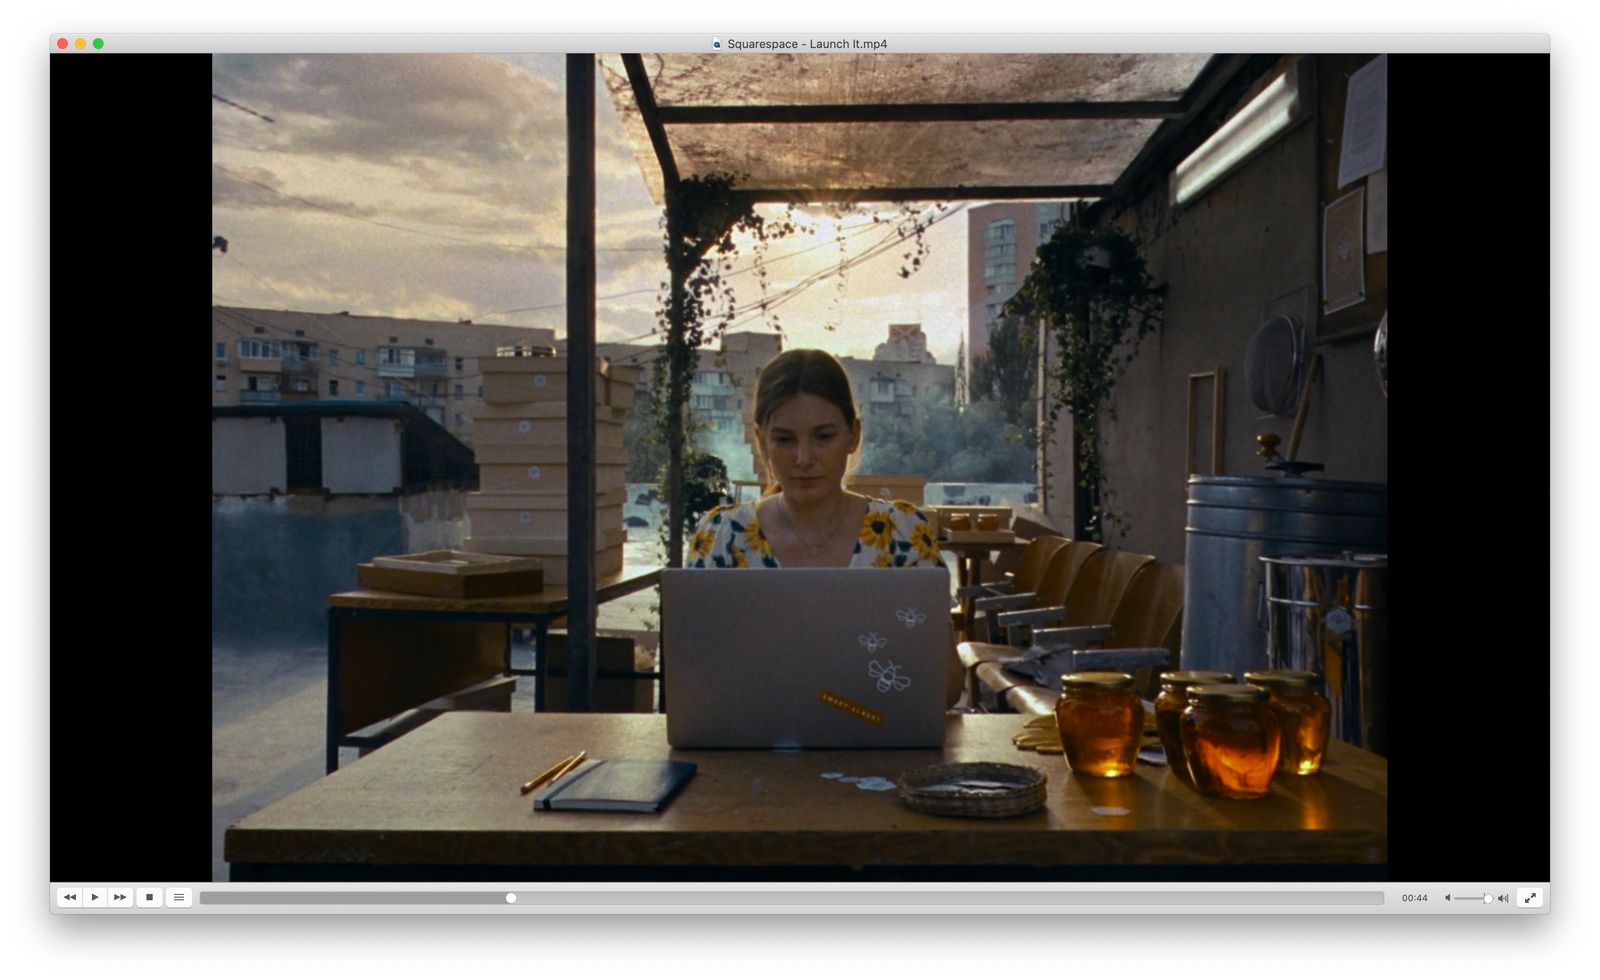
569	899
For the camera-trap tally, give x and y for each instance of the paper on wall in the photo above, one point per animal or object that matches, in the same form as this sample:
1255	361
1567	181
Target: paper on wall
1366	121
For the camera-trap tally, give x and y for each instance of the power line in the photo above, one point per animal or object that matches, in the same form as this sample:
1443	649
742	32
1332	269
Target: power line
761	307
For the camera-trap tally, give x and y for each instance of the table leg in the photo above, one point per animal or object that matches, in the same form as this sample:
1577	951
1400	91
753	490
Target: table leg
541	644
335	708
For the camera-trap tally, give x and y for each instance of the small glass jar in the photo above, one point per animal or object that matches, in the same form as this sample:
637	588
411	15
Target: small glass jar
1230	739
1304	714
959	522
1169	709
987	522
1101	723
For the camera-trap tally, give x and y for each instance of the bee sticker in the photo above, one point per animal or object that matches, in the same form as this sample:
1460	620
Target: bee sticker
873	642
888	677
911	618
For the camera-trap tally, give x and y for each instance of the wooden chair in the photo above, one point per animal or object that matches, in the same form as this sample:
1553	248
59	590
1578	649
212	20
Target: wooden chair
1093	592
1024	582
1020	612
1142	638
1048	607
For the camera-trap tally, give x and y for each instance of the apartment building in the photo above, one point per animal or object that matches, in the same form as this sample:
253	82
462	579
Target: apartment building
264	356
1001	242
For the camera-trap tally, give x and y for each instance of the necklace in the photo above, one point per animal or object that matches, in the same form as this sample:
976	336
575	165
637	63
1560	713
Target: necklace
810	548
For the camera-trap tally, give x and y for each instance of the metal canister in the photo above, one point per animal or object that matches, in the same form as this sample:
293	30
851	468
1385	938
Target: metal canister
1329	614
1233	521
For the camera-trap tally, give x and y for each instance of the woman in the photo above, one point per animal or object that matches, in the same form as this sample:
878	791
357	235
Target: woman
807	429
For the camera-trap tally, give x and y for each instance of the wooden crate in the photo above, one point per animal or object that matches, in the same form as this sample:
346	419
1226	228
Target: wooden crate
534	515
542	454
446	586
543	478
529	428
530	379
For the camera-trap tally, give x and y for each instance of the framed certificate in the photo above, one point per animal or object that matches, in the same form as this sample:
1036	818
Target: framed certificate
1344	252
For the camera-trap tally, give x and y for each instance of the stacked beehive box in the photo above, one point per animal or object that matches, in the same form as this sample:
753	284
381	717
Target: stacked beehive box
521	443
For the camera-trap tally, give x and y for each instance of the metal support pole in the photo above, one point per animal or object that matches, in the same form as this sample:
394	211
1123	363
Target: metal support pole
581	387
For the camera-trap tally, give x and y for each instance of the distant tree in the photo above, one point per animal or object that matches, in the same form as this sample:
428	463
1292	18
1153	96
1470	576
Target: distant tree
1009	373
946	444
643	442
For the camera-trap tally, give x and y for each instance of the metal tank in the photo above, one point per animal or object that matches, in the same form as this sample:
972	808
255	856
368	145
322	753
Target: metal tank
1233	521
1329	614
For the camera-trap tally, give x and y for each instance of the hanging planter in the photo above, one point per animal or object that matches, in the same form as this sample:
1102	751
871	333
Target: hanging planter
1091	289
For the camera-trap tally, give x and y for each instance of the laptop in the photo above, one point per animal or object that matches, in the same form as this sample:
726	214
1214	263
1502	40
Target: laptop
805	658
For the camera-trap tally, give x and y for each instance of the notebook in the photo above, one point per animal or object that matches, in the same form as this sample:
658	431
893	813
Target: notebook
639	786
805	657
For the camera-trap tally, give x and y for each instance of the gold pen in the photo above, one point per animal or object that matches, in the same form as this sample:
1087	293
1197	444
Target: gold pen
552	773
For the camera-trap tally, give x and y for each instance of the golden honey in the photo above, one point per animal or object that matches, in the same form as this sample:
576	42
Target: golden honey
988	522
1101	722
1231	740
1296	696
959	522
1169	709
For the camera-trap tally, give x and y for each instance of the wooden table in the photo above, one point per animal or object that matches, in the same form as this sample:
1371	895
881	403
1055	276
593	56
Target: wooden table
376	671
442	804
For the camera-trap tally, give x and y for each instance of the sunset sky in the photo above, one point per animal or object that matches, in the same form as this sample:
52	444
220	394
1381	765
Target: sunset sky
433	186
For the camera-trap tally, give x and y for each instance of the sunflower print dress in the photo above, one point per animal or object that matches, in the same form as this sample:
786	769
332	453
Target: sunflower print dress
893	534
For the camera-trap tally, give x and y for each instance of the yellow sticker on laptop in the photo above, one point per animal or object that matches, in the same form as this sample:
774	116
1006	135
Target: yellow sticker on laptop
850	707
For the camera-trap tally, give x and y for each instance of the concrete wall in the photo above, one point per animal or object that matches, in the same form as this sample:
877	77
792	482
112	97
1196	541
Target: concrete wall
276	559
1246	250
361	455
247	456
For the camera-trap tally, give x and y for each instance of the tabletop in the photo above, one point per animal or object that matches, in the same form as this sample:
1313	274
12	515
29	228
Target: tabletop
447	794
632	578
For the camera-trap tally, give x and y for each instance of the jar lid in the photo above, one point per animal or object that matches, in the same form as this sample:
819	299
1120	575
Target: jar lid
1284	678
1227	694
1106	680
1180	679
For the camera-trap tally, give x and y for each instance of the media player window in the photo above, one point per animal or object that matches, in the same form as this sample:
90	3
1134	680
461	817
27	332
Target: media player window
1111	325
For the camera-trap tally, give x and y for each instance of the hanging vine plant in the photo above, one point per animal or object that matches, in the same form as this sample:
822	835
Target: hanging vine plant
1091	289
703	215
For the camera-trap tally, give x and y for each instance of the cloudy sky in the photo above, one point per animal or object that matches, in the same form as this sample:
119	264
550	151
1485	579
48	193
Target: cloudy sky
433	186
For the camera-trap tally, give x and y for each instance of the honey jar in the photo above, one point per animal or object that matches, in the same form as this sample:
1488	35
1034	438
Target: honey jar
1230	740
1101	723
1304	714
959	522
988	522
1169	709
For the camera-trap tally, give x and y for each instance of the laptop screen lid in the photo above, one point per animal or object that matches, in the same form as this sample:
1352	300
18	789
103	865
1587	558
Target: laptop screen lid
805	657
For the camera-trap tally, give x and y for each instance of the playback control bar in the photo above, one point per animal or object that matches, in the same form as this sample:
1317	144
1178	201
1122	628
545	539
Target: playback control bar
230	898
